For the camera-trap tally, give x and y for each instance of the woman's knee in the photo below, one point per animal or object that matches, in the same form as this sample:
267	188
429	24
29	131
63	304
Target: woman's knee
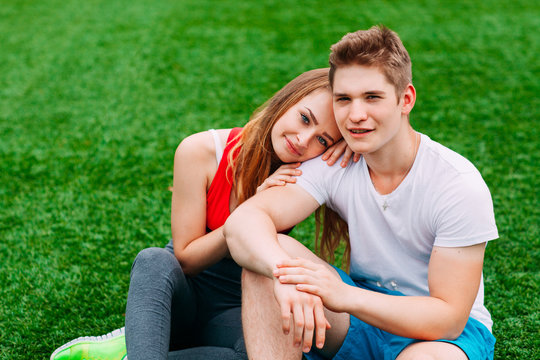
154	259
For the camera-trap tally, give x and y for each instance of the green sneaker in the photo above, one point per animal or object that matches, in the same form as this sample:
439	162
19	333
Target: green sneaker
111	346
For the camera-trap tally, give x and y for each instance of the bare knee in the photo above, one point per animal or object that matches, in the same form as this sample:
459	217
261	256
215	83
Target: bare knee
432	350
254	284
252	278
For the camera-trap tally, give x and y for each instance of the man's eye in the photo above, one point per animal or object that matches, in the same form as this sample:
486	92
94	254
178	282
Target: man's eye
343	98
322	141
305	119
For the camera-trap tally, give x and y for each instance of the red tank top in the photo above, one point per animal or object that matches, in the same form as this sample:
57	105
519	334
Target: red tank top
219	193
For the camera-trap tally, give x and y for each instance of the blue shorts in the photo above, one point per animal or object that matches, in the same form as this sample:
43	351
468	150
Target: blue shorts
364	341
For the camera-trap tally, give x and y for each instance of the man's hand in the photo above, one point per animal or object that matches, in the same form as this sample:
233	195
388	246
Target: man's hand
315	279
307	315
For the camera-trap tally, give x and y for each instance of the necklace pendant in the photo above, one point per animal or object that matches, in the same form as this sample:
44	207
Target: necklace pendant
385	205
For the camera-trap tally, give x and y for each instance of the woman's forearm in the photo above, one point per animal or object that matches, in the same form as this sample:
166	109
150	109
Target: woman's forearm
202	252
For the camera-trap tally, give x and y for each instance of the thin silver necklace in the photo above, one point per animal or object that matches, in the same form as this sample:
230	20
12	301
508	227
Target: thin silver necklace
416	143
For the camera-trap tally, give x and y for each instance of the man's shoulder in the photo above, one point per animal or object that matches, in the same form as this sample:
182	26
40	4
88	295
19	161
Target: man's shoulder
318	169
441	156
323	181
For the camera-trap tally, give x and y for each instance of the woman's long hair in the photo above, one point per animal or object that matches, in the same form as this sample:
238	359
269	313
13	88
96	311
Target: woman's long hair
256	159
334	232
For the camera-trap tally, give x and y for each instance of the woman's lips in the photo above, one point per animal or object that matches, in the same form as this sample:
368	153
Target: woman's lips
292	148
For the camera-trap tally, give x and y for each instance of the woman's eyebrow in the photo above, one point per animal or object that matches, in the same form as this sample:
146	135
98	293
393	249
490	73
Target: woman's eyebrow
314	119
312	116
328	136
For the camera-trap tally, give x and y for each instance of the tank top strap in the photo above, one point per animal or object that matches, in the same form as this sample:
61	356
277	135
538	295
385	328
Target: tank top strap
218	145
219	193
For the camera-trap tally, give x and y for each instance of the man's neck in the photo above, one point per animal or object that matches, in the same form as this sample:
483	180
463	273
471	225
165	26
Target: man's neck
389	166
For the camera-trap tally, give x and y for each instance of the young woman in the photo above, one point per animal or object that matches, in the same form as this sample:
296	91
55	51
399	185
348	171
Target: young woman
184	300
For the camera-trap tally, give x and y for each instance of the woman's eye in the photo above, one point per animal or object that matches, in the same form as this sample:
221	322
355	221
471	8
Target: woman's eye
305	119
322	141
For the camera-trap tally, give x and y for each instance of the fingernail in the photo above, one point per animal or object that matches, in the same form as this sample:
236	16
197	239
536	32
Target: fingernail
320	345
306	349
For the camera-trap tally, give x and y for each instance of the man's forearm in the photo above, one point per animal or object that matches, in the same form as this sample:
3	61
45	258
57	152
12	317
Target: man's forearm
252	240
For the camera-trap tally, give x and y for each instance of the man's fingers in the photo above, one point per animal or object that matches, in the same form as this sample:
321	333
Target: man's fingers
285	319
298	323
298	262
309	327
321	324
295	279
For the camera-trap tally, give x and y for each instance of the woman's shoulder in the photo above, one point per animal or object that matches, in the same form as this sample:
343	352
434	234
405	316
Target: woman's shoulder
202	145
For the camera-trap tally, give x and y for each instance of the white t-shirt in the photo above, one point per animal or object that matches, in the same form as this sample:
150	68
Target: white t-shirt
443	201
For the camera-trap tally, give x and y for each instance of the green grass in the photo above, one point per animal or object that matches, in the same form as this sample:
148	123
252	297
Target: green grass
96	95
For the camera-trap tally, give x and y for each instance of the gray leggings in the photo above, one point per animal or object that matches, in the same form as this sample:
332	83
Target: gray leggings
173	316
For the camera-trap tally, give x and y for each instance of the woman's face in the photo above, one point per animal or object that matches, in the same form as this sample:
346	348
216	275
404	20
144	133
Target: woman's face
307	129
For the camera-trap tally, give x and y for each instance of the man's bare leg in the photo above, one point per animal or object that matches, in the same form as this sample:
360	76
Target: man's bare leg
432	350
261	315
261	320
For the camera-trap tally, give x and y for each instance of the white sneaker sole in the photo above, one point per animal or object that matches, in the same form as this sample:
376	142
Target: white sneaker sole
113	334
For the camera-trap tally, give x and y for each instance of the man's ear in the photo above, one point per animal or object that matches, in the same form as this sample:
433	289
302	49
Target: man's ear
408	98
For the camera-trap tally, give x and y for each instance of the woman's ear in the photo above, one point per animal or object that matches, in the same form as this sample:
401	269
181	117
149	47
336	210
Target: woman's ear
408	98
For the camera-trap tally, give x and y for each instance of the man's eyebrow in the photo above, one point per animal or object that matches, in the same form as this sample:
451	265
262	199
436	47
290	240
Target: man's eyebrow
312	116
368	92
378	92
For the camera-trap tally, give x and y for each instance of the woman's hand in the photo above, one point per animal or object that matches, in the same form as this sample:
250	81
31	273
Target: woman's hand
332	154
316	279
284	174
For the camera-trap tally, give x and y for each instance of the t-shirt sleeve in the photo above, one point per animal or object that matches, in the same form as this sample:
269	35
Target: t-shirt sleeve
314	178
464	214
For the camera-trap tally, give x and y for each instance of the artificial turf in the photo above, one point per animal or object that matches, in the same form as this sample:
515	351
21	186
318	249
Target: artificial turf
96	95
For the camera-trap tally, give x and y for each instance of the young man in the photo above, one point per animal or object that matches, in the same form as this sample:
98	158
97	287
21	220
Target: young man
419	218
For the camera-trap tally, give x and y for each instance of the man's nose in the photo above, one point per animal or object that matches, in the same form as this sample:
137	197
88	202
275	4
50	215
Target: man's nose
357	111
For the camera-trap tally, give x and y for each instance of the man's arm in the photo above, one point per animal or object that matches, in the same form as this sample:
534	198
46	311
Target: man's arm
454	277
251	236
251	230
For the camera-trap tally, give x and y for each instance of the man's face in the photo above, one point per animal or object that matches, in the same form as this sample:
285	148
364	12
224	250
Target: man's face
366	108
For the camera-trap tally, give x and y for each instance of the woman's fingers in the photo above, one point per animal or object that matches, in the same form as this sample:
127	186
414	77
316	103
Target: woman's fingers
334	152
346	157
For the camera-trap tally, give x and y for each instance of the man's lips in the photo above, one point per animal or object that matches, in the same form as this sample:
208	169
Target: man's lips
359	132
292	148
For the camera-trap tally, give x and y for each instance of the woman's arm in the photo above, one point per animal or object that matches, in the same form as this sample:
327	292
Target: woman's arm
194	168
